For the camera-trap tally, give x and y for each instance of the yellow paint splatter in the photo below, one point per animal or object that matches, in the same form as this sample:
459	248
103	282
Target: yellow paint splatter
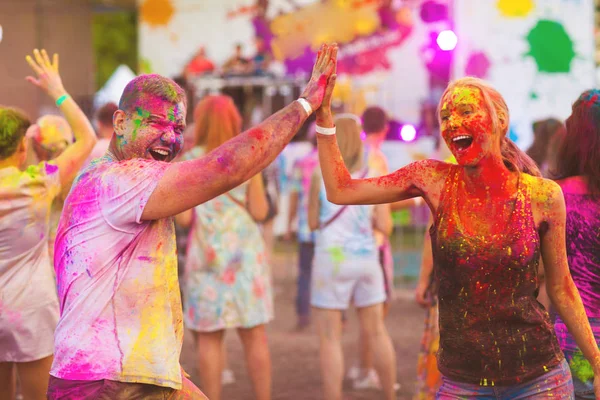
157	12
515	8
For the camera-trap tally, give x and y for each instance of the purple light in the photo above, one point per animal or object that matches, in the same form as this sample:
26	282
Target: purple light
408	133
447	40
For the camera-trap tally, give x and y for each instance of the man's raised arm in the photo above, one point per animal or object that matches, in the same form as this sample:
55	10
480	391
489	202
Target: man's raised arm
187	184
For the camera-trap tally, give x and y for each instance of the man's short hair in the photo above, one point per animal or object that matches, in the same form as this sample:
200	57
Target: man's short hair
374	120
104	114
154	85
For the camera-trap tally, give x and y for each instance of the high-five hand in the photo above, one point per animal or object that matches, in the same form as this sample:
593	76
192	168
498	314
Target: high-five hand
324	67
48	78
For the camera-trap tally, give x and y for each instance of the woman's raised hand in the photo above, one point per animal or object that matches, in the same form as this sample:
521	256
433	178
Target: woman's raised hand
48	78
324	67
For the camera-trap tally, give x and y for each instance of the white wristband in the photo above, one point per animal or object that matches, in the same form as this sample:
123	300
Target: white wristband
306	105
325	131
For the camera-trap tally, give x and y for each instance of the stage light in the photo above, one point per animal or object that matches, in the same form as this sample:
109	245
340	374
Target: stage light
447	40
408	133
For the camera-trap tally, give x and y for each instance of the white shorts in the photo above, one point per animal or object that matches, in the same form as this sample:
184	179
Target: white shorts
334	285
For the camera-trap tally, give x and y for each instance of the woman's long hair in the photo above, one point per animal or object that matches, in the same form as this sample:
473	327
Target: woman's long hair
514	158
349	141
216	121
579	152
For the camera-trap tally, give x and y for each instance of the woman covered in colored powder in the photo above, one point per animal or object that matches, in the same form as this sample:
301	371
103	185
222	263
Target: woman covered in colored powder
226	280
346	269
493	219
50	136
578	170
28	299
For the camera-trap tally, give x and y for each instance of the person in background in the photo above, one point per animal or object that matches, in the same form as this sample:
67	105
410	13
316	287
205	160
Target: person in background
29	308
577	169
302	172
227	284
546	137
375	125
262	58
104	129
50	136
199	65
347	269
237	64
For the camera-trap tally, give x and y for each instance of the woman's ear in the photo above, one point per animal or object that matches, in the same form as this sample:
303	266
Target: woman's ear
503	122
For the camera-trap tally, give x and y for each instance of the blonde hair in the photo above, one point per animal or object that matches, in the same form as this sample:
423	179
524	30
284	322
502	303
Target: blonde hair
350	142
216	120
514	158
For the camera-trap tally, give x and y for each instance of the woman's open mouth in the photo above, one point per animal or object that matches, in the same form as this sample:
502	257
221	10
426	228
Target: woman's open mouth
462	142
160	154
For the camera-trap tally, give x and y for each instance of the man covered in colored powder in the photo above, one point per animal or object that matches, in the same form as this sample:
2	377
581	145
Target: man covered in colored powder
120	331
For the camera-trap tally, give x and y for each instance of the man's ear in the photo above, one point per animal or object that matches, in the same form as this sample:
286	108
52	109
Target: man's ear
119	122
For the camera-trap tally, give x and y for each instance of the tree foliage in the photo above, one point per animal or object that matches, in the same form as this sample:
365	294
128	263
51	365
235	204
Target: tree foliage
115	39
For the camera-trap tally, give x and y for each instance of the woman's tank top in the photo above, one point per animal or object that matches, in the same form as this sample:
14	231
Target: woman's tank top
493	331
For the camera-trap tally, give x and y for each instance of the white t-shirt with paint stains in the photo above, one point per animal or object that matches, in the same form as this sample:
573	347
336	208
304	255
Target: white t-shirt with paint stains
28	302
121	316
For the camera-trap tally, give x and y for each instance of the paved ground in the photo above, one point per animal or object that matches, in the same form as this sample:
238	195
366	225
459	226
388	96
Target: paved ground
295	355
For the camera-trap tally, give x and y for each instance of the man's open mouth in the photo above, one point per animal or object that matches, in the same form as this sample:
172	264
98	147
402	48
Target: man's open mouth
160	154
462	142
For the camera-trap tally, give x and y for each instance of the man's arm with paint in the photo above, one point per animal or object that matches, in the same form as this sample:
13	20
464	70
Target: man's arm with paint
406	183
187	184
561	289
48	79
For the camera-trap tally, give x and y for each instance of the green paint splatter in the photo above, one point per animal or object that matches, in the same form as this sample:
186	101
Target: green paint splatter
138	121
171	114
581	368
337	255
533	96
551	47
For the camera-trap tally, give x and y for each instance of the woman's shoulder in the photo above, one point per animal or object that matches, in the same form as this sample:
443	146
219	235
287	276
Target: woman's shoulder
545	193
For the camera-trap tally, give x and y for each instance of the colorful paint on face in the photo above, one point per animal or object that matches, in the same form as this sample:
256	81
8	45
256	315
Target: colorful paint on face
466	125
154	130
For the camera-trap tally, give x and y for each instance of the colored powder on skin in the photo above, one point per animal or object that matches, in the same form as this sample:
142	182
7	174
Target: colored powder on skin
581	367
257	134
568	286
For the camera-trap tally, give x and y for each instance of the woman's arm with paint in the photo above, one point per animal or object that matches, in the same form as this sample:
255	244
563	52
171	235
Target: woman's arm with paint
258	206
186	184
314	205
408	182
561	289
421	295
48	79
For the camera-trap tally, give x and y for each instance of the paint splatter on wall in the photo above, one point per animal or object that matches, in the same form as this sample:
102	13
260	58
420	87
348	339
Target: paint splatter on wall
540	54
551	47
156	12
515	8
